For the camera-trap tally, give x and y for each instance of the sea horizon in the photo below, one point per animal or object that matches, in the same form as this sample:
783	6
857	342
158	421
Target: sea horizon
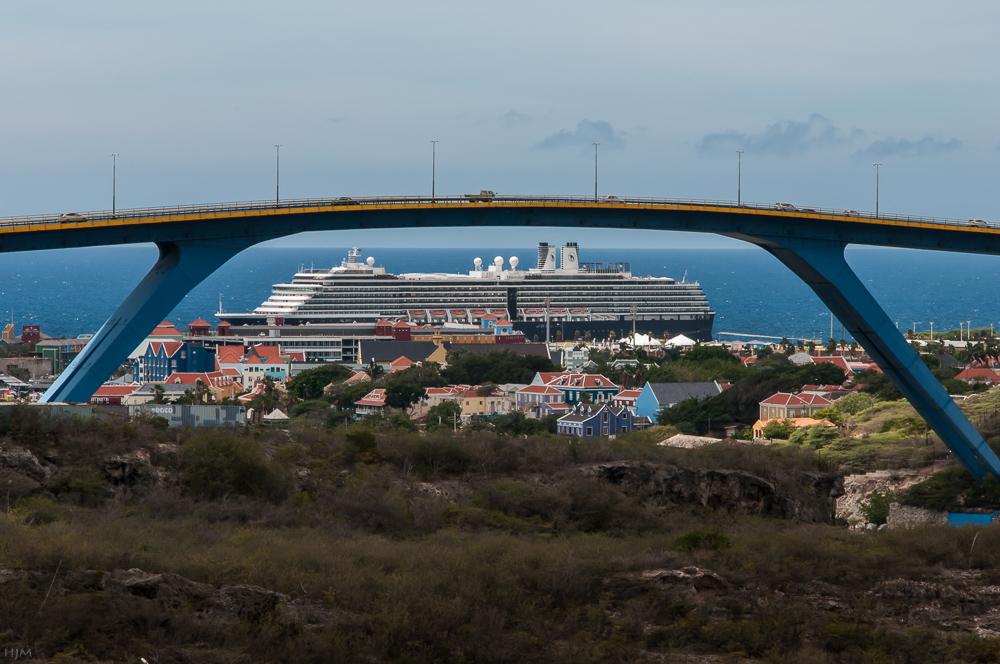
72	292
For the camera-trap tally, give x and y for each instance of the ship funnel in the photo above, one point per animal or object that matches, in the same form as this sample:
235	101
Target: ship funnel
546	256
570	259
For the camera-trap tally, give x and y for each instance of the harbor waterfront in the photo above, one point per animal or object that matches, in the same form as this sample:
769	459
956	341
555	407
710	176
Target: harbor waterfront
749	290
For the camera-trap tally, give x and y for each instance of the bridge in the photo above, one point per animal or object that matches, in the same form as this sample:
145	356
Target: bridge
195	240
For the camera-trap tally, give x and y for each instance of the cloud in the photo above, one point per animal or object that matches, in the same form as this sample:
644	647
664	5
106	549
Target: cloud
782	138
586	132
901	147
514	117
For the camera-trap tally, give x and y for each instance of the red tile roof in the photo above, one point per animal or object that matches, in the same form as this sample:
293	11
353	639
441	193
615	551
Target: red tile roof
116	390
374	398
169	347
165	329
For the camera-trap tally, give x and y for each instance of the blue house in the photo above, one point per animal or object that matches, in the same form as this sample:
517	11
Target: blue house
657	396
163	358
596	420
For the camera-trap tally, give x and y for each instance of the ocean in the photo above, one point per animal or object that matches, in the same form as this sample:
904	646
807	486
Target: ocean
71	292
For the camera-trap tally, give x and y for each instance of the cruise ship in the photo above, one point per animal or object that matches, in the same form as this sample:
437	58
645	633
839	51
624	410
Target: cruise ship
572	298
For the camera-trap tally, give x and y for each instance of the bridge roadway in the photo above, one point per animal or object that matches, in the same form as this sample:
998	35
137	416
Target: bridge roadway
195	240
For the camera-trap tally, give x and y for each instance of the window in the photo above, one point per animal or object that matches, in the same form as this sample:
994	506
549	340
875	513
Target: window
590	431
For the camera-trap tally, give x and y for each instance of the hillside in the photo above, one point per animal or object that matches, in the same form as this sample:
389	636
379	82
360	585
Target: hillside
125	541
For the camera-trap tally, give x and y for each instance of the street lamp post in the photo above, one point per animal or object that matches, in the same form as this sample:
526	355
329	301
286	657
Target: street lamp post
739	176
277	173
114	178
876	187
932	331
433	166
595	170
914	329
968	330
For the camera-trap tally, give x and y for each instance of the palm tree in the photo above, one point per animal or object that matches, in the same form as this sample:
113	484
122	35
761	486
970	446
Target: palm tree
158	394
199	391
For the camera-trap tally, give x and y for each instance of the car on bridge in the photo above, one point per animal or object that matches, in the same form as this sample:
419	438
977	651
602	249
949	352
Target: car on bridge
483	195
851	213
786	207
71	216
978	222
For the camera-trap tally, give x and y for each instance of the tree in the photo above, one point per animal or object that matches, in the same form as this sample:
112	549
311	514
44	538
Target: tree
158	394
852	404
781	429
494	367
309	384
21	373
403	395
831	346
199	391
444	415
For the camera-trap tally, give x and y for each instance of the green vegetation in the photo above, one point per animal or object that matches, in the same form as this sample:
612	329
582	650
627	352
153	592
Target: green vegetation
876	509
952	490
480	548
310	383
497	367
218	464
741	402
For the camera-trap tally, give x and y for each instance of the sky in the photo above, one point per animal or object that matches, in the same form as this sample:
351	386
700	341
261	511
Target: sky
193	97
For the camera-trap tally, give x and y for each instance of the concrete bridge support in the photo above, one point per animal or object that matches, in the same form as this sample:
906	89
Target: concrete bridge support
822	266
180	267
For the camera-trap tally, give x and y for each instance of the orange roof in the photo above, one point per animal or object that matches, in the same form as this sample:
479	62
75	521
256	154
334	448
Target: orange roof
199	323
116	390
215	378
539	389
228	354
785	399
402	361
165	329
503	321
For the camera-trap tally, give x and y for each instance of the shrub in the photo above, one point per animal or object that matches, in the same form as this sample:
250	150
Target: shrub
816	436
36	510
702	539
909	426
781	429
876	508
216	463
954	488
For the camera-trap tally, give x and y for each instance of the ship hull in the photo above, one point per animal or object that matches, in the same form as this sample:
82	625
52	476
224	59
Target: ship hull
698	330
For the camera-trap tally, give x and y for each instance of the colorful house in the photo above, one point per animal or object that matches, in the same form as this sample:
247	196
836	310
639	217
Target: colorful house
371	403
783	405
575	385
654	397
596	420
163	358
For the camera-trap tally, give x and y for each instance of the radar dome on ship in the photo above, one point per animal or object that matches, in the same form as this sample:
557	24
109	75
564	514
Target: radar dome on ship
498	261
478	262
371	261
513	262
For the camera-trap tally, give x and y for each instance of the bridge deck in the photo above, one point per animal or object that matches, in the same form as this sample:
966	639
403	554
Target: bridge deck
230	211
